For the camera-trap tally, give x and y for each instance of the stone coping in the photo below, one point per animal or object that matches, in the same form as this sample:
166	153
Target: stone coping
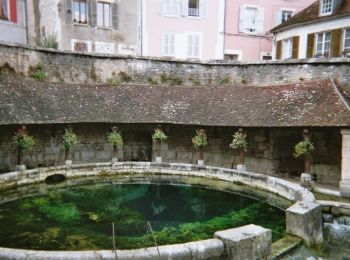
340	60
205	249
289	190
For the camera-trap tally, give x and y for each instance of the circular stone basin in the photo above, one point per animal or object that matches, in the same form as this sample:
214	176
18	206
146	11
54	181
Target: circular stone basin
81	217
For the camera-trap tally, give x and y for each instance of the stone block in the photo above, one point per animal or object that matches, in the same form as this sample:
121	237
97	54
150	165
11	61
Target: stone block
344	187
206	249
241	167
304	219
247	242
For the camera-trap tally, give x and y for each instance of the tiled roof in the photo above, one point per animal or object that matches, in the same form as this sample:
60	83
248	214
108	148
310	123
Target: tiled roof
311	14
316	103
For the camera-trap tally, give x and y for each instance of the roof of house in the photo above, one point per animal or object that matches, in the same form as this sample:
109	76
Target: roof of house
311	15
314	103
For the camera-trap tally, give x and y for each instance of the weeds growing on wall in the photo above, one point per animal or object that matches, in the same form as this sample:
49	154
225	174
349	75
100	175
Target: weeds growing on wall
37	72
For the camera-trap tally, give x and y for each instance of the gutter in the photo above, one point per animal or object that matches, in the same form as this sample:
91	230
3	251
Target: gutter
224	32
324	19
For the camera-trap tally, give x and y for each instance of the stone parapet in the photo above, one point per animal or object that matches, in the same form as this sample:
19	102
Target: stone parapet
290	191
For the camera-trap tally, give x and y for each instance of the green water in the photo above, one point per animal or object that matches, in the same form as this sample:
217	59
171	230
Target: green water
80	218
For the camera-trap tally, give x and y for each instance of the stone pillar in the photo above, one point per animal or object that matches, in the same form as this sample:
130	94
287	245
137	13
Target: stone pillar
304	219
247	242
344	184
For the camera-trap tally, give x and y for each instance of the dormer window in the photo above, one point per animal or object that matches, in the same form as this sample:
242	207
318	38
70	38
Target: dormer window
326	7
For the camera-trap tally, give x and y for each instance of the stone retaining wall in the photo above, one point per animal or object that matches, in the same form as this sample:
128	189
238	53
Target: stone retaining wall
70	67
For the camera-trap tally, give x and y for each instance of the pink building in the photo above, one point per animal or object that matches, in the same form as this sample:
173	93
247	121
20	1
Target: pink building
248	23
183	29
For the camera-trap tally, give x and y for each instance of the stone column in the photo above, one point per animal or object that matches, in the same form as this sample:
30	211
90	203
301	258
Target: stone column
304	219
344	184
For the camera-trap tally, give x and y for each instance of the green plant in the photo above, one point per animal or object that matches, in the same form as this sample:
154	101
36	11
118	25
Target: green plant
200	139
124	77
23	141
303	148
37	72
159	135
69	140
113	81
239	141
224	81
116	139
49	42
171	80
152	81
195	81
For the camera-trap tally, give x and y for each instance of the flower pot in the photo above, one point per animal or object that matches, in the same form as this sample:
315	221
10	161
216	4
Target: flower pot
20	167
69	162
241	167
306	180
158	159
200	162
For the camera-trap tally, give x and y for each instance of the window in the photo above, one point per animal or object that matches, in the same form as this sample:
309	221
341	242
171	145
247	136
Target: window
81	46
326	7
250	23
104	47
80	11
231	57
323	43
4	10
171	7
103	14
251	19
286	15
193	45
287	48
193	8
168	44
347	41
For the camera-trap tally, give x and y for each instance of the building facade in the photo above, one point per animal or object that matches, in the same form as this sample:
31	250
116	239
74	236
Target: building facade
320	31
247	26
183	29
13	21
108	26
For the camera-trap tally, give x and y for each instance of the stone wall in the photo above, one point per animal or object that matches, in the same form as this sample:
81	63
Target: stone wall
270	151
78	68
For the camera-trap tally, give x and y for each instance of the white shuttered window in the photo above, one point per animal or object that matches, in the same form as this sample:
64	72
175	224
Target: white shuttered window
193	45
251	19
168	44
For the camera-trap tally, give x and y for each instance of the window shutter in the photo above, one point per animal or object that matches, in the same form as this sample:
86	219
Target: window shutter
69	11
13	11
295	51
310	45
93	12
189	45
279	50
260	20
178	7
336	43
162	6
203	8
184	8
172	43
115	23
165	43
279	17
242	19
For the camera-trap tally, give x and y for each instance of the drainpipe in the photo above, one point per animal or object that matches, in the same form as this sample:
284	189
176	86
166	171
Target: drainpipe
26	20
141	29
224	41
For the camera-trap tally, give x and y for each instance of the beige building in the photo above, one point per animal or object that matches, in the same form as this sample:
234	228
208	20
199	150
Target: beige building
89	26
